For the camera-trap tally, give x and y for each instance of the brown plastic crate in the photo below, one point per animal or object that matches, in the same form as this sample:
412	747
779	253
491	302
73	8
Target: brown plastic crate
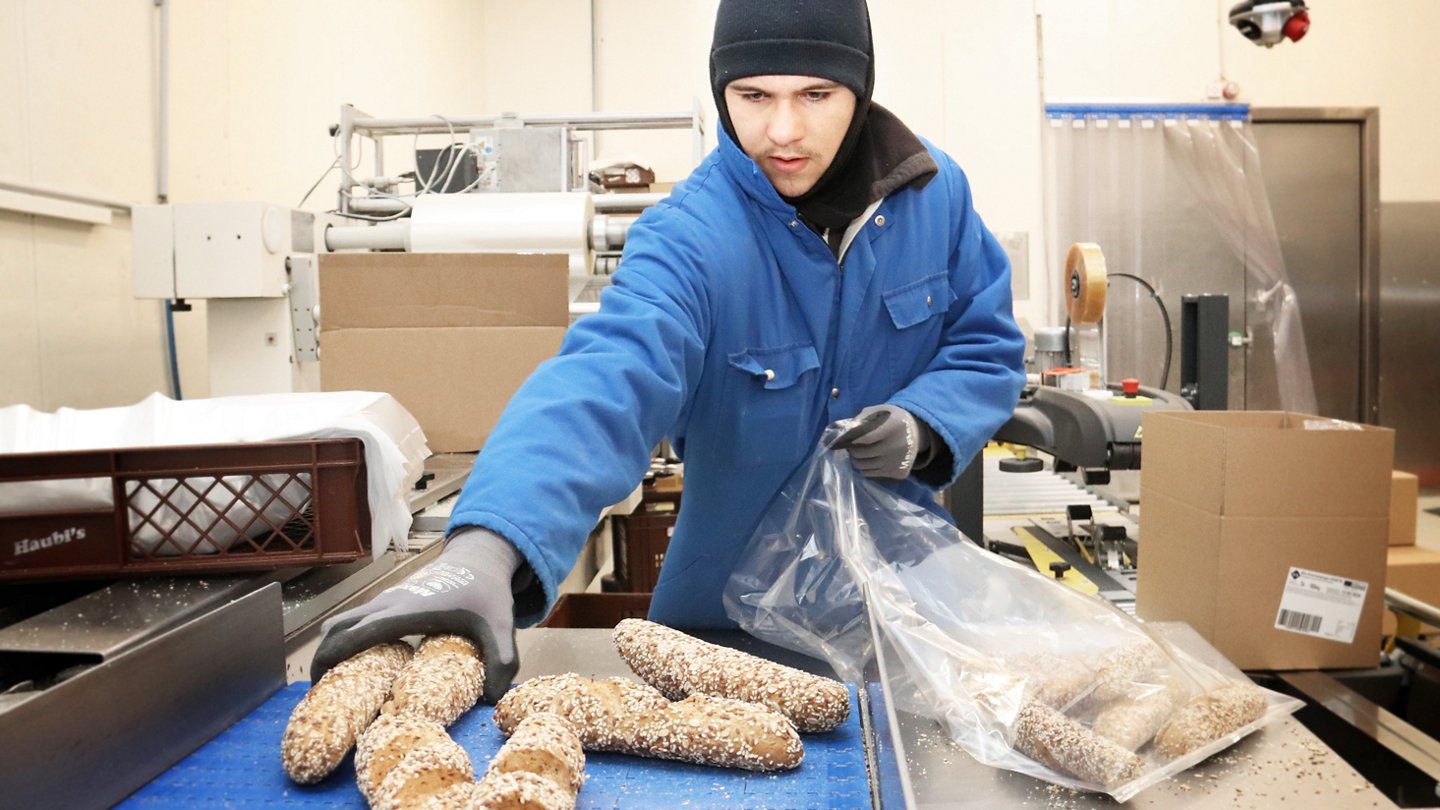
188	509
597	609
641	539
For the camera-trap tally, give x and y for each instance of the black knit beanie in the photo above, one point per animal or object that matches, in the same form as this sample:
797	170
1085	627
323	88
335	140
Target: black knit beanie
829	39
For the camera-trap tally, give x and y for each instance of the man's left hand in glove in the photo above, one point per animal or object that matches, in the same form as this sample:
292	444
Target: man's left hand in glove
888	442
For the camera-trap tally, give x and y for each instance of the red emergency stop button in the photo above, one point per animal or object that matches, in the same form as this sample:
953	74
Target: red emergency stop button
1130	386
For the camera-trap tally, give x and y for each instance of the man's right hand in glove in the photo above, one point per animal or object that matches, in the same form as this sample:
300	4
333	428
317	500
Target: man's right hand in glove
466	591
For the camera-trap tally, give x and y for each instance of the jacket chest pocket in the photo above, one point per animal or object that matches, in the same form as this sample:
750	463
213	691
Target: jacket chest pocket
916	311
770	395
912	304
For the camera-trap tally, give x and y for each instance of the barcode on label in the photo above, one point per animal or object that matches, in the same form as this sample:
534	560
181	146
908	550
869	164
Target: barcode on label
1303	622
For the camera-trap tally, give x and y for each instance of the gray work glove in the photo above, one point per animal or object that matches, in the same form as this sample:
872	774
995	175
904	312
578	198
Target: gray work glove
886	442
465	591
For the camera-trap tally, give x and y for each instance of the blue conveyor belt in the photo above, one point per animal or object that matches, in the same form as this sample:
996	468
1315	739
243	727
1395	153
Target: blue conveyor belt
241	769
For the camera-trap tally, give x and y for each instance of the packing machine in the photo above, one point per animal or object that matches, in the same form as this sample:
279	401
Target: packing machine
501	184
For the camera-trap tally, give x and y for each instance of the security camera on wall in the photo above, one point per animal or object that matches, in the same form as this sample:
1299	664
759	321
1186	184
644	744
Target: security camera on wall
1269	22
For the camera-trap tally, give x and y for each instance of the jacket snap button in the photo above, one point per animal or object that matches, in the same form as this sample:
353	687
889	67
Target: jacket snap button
928	300
880	221
793	223
834	393
769	374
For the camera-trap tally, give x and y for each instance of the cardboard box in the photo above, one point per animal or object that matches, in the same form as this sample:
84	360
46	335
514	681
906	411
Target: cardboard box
1414	571
1266	535
1404	507
597	610
450	335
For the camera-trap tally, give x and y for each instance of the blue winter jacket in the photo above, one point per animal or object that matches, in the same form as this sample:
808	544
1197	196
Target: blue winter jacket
731	328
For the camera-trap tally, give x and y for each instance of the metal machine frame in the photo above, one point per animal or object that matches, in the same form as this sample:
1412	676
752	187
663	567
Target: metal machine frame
357	122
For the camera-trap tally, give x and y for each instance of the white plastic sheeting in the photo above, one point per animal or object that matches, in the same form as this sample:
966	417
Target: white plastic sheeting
395	449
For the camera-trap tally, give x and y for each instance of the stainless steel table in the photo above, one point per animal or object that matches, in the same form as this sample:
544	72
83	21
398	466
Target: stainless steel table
915	765
1283	765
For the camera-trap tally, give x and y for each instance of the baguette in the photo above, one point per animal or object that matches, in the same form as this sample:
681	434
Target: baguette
1132	722
422	772
386	742
1055	680
516	790
1120	668
1209	717
1055	741
332	715
680	665
622	716
544	745
408	763
405	762
443	681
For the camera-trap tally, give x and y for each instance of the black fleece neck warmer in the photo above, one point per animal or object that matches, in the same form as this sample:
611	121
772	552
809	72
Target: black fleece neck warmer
829	39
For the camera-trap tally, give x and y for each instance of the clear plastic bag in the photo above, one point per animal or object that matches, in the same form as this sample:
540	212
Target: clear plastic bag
1023	672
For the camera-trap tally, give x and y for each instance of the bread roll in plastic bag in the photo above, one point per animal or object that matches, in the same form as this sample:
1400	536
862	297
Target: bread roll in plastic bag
1023	672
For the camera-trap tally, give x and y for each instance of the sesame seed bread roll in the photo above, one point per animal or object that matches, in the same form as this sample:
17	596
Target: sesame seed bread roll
1132	722
405	762
728	733
1209	717
618	715
521	790
459	796
1055	741
422	772
518	790
386	742
442	681
680	665
1120	668
1055	680
602	712
545	745
327	721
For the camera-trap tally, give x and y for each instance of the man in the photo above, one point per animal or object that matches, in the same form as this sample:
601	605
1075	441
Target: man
822	262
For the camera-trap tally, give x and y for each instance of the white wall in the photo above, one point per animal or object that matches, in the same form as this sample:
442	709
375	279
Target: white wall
255	85
639	69
1361	53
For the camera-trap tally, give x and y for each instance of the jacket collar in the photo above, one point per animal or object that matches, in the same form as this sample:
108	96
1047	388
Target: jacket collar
746	174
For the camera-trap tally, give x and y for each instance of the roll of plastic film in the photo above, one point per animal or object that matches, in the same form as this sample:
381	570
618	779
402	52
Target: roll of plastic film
1085	283
504	223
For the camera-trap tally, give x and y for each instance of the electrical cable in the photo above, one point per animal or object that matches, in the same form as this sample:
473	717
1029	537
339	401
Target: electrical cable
1164	316
174	355
323	175
425	188
426	185
367	218
351	182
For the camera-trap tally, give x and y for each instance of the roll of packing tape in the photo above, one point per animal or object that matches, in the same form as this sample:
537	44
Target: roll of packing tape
1085	283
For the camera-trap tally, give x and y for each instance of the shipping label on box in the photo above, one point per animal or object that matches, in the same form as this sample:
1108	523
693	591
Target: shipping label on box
1321	605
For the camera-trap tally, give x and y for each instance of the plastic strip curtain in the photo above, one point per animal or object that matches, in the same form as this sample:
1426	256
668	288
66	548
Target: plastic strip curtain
1170	193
